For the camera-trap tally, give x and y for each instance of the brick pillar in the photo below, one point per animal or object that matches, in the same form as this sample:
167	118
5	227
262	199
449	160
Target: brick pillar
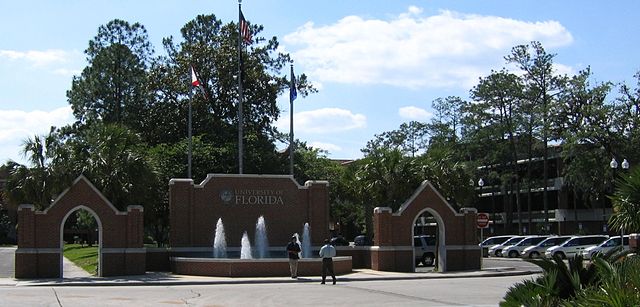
180	212
135	227
26	226
382	226
26	258
318	210
135	255
383	256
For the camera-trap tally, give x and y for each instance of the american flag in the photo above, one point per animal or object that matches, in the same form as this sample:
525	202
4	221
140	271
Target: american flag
245	32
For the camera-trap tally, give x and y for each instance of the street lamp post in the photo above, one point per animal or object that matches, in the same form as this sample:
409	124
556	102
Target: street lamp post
625	166
480	184
614	166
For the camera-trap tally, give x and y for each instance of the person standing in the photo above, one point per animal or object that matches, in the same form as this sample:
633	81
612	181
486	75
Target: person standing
293	249
327	252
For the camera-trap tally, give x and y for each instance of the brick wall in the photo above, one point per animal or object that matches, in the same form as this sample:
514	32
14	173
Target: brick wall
39	252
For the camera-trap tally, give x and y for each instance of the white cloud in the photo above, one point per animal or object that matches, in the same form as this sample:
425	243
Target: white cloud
328	120
38	58
414	113
447	49
332	148
17	125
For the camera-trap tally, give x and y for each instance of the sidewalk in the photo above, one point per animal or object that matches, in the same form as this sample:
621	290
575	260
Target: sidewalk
165	278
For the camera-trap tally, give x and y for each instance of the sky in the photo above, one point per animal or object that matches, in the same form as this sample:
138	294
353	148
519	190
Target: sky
377	64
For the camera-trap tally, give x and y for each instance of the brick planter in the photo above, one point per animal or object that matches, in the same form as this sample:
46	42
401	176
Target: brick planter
269	267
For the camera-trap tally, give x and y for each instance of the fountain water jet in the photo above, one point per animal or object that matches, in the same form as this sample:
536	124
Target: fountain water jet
306	242
219	241
245	250
262	244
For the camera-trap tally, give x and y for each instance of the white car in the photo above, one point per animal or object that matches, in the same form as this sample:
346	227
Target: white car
497	249
539	249
514	251
491	242
605	247
574	246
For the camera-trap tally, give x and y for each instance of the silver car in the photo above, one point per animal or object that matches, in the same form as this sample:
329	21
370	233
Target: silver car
514	251
497	249
538	250
605	246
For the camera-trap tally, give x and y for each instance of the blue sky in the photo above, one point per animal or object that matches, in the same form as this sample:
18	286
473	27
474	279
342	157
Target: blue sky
376	63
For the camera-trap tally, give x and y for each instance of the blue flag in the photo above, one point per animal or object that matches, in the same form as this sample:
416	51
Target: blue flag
293	93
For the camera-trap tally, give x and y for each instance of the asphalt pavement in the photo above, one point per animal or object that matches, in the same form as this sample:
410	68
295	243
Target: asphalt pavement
74	276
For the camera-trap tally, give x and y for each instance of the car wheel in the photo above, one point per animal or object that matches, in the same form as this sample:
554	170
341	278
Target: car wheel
559	254
534	255
427	259
498	253
513	254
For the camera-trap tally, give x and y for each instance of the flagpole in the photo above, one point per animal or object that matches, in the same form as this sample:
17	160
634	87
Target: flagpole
291	144
190	133
240	98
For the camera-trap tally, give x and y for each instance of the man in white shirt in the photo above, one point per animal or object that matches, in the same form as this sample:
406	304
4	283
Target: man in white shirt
327	252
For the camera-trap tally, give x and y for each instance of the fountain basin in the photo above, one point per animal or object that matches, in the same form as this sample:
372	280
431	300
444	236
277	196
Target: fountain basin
264	267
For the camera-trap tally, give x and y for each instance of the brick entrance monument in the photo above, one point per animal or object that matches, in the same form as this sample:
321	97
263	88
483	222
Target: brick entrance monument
39	253
239	200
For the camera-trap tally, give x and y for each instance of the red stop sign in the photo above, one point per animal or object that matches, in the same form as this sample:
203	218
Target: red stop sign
482	220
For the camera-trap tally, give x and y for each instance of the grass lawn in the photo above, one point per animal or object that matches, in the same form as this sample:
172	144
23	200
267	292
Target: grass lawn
84	257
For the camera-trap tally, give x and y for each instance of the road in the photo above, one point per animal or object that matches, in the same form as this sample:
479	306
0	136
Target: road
422	292
7	262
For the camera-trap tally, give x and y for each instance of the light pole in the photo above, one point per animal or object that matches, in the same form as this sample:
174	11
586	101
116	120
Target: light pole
480	184
613	165
625	167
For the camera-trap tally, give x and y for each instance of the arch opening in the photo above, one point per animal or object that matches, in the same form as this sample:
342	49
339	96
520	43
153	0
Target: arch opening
81	234
429	252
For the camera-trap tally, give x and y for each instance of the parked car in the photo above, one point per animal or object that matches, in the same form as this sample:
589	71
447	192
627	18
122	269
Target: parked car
362	240
539	249
496	250
606	246
574	246
339	241
424	249
514	251
491	242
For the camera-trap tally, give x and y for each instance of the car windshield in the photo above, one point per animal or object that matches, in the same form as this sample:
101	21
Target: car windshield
525	242
552	241
611	242
512	241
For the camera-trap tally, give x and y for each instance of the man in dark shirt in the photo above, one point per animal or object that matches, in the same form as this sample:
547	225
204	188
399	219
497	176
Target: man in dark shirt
293	248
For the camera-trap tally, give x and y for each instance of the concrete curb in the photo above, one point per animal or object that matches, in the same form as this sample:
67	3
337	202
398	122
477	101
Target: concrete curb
169	280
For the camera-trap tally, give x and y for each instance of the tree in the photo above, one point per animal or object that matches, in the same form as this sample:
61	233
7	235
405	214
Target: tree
113	88
540	88
499	96
583	122
211	47
626	203
33	183
410	138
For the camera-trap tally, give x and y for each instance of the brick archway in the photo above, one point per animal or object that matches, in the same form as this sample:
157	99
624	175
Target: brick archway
393	231
99	225
39	253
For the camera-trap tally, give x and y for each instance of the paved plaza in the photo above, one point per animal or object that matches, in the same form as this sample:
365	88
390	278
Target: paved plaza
361	288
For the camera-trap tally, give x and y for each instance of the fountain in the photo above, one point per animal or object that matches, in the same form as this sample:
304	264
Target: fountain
299	244
262	244
245	251
219	241
258	265
306	242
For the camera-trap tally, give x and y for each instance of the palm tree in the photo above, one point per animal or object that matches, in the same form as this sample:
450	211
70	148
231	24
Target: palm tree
626	203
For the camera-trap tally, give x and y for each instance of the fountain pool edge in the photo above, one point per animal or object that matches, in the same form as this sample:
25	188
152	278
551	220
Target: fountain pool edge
265	267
